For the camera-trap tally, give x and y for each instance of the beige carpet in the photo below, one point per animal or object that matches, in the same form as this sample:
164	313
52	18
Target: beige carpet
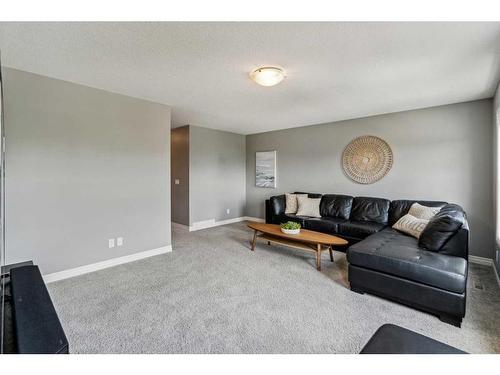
213	295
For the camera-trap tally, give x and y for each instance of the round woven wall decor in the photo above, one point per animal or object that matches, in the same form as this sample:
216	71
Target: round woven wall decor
367	159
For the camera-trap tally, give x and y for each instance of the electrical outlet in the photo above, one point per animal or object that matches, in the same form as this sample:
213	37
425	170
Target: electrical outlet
177	182
111	243
228	211
119	241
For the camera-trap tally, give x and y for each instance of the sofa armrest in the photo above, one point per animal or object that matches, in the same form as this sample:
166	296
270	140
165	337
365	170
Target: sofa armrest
275	206
278	204
458	244
269	214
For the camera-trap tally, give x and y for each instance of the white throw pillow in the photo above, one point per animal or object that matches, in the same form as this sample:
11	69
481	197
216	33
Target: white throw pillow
308	206
423	212
291	204
411	225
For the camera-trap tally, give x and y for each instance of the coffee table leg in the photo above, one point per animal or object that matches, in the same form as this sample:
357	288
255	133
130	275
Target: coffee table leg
318	258
254	240
331	253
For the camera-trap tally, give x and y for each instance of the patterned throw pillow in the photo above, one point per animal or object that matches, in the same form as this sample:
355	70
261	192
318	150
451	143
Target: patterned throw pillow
411	225
308	206
291	204
423	212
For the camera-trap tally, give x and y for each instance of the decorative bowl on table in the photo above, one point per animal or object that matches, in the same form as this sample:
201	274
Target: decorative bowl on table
290	227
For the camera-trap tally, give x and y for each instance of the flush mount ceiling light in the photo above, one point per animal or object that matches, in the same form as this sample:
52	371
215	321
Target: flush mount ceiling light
267	75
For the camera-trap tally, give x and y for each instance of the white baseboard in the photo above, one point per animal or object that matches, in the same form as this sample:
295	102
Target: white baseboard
257	219
212	223
72	272
481	260
496	274
204	224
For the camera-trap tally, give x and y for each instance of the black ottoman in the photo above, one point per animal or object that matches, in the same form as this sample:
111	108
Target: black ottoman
392	339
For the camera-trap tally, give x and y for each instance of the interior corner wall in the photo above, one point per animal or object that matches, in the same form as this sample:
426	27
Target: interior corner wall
496	175
216	175
82	166
440	153
180	175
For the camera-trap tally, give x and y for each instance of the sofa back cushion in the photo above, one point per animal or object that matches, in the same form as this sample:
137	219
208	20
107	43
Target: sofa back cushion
401	207
442	227
334	205
310	195
370	209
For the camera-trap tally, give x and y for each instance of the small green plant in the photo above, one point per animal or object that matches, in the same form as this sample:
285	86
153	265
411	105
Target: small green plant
290	225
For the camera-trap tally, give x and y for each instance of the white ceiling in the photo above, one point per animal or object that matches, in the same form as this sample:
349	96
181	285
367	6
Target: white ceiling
335	70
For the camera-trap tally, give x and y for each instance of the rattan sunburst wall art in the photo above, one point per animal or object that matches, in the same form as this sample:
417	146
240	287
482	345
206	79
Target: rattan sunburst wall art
367	159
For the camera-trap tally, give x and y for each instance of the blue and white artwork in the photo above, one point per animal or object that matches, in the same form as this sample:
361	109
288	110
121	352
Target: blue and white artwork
265	169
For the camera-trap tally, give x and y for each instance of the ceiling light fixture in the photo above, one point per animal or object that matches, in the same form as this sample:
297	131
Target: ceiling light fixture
267	75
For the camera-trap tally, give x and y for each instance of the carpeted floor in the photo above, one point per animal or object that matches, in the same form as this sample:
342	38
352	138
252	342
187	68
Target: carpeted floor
213	295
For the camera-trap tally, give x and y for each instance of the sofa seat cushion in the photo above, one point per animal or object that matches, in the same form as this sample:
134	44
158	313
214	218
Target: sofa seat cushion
359	229
396	254
325	224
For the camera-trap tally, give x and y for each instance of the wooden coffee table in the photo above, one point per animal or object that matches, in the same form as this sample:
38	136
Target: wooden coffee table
306	240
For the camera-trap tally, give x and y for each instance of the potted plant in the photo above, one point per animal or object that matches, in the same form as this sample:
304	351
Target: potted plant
290	227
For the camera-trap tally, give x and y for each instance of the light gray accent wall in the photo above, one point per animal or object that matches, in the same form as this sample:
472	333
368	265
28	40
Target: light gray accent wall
440	153
180	171
83	165
216	175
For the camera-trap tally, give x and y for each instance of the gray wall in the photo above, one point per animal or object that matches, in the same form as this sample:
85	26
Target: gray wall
217	174
442	153
180	171
83	165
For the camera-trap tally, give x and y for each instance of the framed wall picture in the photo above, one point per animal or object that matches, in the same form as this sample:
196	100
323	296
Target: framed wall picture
265	169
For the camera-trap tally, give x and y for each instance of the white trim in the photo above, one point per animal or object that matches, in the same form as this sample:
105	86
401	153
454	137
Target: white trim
257	219
496	274
212	223
481	260
72	272
204	224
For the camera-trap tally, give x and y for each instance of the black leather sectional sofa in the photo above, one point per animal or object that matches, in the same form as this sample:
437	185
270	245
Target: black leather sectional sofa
429	274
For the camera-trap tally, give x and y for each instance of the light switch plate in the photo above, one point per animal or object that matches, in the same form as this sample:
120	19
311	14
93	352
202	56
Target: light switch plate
177	182
111	243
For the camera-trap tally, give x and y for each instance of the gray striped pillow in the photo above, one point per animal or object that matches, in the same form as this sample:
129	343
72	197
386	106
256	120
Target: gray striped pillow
423	212
411	225
291	205
308	206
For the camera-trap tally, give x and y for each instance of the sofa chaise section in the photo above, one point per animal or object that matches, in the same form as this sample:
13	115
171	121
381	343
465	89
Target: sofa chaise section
388	263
